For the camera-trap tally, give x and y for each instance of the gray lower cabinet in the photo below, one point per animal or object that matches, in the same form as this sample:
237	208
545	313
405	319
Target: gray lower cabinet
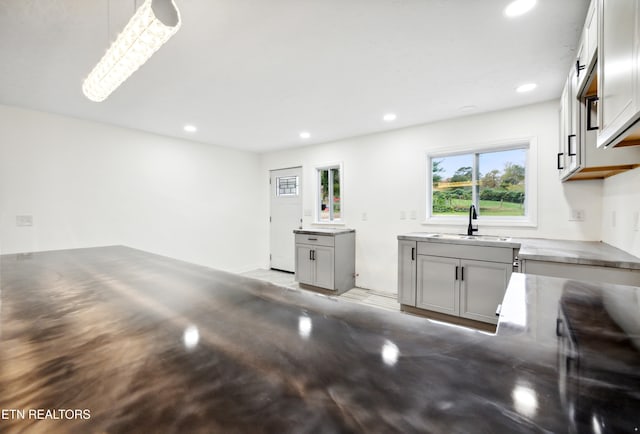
438	288
325	261
463	281
315	265
482	288
407	272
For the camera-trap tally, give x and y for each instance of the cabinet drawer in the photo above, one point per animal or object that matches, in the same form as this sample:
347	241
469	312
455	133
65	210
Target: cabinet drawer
462	251
315	240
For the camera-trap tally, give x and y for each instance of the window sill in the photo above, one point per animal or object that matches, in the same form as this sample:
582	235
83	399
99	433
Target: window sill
340	223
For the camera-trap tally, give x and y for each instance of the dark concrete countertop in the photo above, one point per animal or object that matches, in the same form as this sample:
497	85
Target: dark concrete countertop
595	253
323	231
151	344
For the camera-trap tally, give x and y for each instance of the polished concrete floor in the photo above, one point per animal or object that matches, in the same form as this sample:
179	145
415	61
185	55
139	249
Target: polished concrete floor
368	297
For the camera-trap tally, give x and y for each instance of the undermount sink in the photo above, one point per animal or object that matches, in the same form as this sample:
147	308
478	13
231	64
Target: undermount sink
470	237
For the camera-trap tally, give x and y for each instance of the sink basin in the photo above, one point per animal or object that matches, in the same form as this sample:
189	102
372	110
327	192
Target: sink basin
469	237
486	237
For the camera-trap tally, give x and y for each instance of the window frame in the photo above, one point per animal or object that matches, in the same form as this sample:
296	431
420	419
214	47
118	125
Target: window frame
318	201
531	193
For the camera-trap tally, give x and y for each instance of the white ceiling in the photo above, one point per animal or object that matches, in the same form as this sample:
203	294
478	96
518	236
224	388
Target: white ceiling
253	74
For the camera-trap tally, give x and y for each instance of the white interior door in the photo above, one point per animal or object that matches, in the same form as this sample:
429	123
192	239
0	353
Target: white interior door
286	215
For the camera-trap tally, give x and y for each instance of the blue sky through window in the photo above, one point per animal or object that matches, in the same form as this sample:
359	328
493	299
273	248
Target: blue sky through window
488	161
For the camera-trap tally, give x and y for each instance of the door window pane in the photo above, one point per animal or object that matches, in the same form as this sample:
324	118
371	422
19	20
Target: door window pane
287	186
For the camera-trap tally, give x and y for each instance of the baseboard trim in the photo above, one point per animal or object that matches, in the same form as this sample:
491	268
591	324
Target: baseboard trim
465	322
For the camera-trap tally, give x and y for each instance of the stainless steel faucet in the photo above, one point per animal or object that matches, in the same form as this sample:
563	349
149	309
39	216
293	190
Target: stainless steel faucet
472	216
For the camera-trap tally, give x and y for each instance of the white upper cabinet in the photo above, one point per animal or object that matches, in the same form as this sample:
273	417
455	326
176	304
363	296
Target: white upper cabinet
568	156
587	48
618	72
601	97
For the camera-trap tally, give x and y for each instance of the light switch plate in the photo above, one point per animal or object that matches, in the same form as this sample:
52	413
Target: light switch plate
307	213
24	220
403	215
577	215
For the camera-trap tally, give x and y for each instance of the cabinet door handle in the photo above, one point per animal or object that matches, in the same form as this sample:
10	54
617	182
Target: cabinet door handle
569	137
461	273
456	272
560	154
592	107
413	253
558	327
314	255
312	239
579	68
311	255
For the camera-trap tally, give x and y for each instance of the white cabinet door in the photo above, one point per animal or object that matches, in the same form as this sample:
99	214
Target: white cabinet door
482	288
565	115
571	140
581	63
437	284
324	267
304	264
617	69
591	31
407	272
588	45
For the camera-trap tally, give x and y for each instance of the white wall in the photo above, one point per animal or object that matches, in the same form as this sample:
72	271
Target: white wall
384	175
621	196
88	184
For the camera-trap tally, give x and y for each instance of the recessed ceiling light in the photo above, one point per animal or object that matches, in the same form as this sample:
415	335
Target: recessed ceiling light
305	135
190	128
389	117
519	7
526	87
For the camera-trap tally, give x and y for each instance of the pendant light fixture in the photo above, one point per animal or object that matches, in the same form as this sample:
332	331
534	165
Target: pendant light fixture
151	26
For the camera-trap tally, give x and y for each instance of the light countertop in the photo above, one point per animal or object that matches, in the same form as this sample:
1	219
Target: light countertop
323	231
595	253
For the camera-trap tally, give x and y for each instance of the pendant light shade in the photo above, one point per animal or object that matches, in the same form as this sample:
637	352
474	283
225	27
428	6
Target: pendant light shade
151	26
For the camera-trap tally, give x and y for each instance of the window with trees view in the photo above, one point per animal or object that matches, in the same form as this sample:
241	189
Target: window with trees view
494	181
329	207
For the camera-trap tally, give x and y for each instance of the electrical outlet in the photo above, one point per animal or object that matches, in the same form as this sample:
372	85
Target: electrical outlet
24	220
364	216
636	221
613	219
414	214
307	213
577	215
403	215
